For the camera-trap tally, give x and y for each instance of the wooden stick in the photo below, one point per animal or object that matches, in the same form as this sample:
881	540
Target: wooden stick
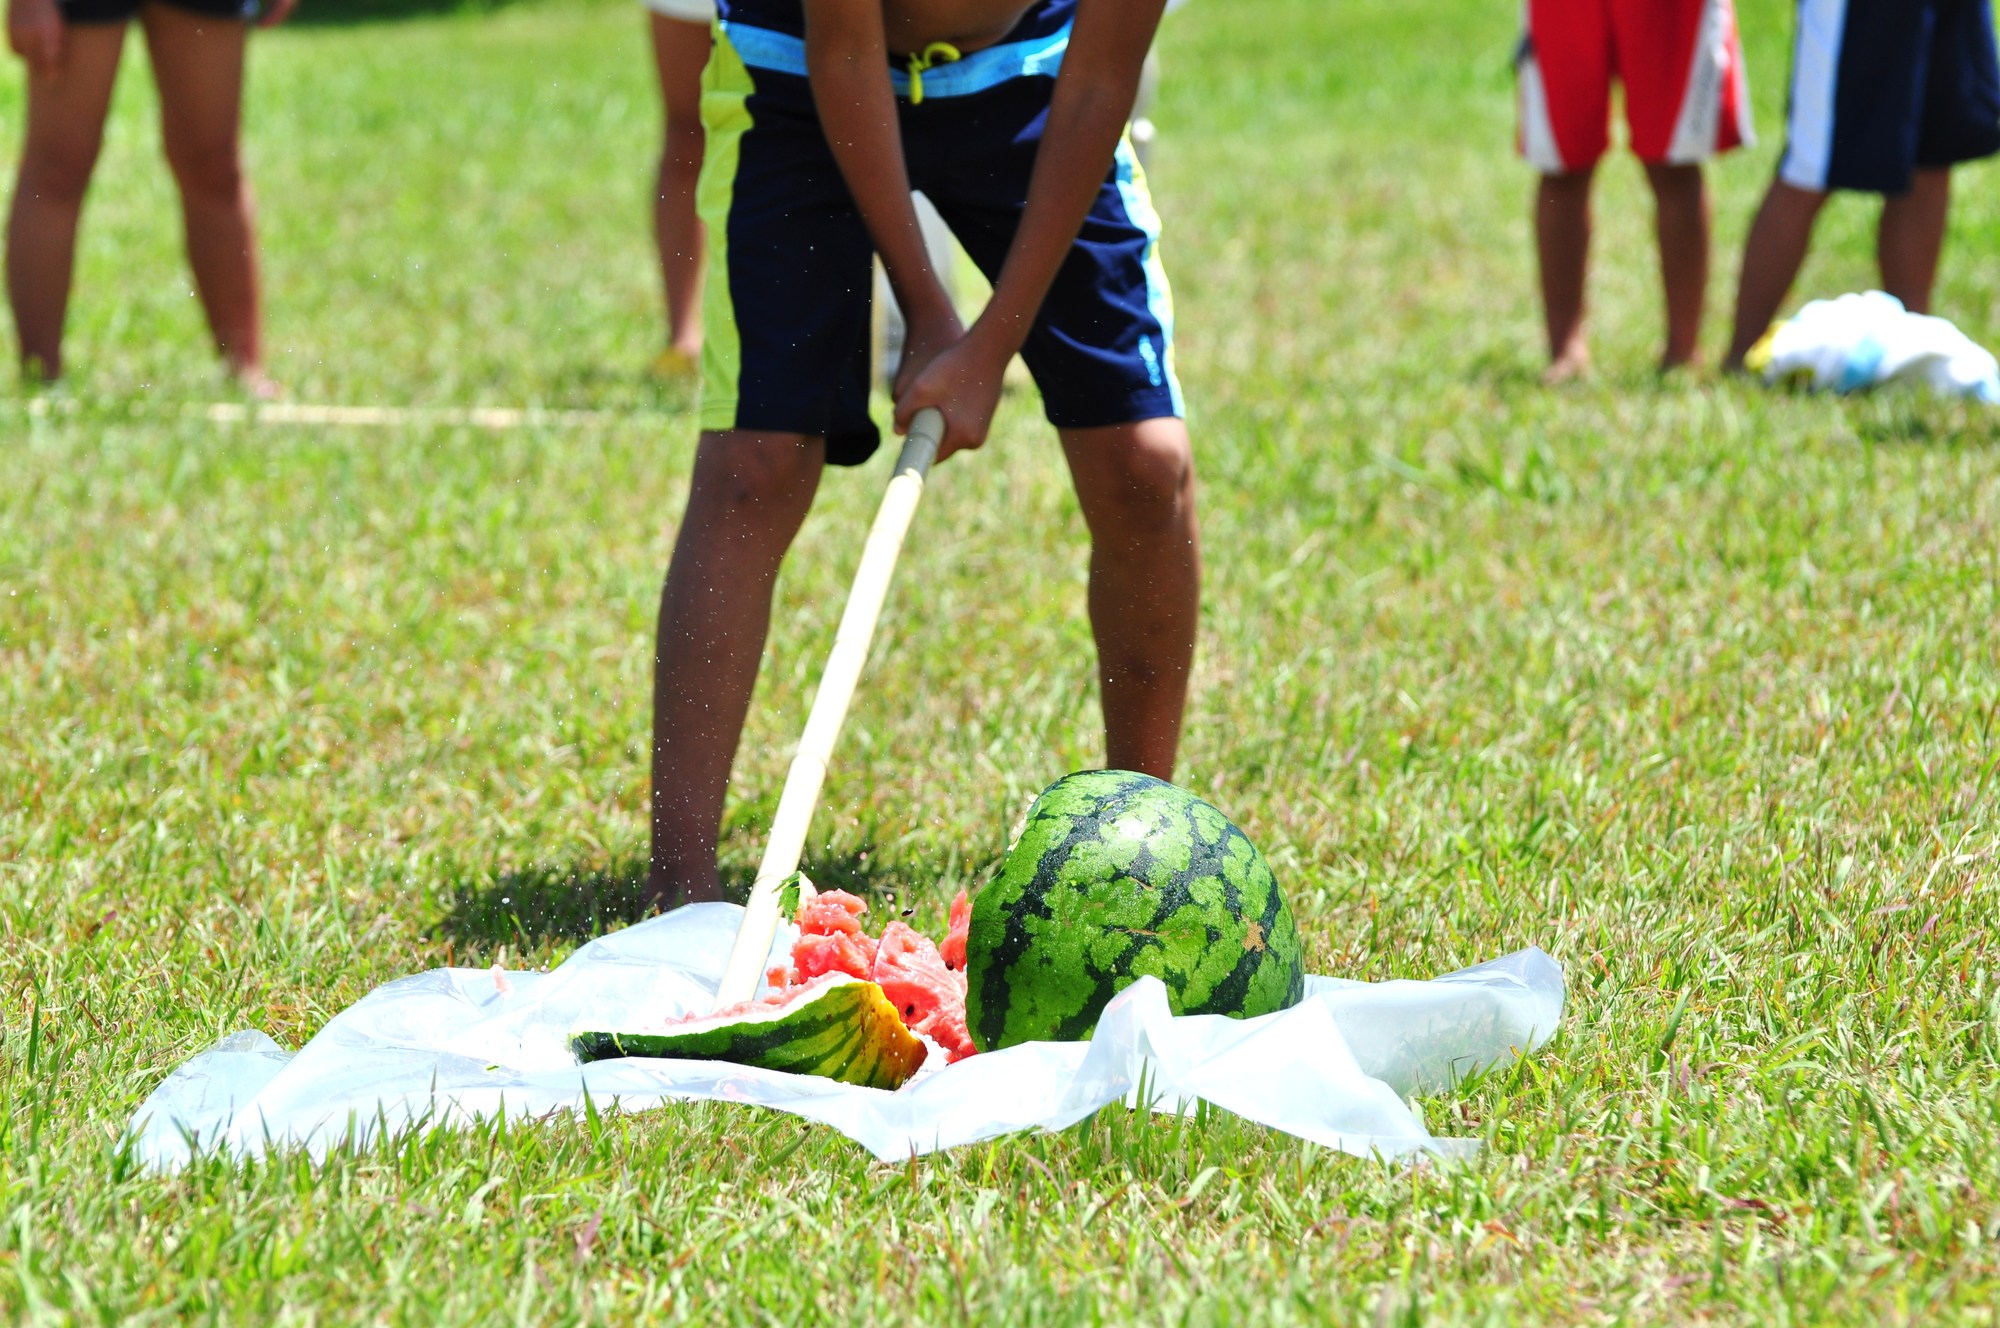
829	709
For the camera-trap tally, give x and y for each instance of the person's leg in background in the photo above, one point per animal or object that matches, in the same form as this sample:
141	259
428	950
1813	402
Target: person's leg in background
1772	255
1857	113
1563	71
68	100
1781	232
1681	220
1960	122
680	53
1910	239
1686	101
1562	253
198	64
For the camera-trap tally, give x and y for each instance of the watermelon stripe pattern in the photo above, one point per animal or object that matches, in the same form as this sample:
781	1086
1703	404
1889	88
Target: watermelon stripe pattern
838	1027
1116	876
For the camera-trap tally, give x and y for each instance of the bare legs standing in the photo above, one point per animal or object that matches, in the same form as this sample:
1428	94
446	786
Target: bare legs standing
1907	246
198	64
750	493
680	51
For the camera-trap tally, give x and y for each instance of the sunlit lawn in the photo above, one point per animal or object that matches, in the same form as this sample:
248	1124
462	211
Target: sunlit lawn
1692	684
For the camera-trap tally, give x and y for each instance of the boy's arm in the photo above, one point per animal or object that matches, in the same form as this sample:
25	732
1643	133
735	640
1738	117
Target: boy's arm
847	62
1093	98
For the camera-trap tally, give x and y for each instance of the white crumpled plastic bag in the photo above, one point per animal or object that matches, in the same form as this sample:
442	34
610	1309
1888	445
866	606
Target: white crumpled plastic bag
456	1044
1862	341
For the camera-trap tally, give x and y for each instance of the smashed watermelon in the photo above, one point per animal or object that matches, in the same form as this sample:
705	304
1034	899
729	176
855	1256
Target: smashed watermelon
953	950
929	995
831	938
848	1006
835	1026
927	990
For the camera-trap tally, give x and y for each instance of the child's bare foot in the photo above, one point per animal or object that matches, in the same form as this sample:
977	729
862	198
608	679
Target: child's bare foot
1572	364
254	383
1674	366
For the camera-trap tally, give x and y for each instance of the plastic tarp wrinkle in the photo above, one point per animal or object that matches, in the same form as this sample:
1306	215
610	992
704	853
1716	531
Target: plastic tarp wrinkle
453	1045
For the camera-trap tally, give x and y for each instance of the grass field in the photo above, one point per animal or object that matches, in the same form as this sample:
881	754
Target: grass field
1692	684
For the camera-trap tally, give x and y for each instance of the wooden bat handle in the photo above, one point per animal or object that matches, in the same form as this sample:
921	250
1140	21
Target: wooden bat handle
829	709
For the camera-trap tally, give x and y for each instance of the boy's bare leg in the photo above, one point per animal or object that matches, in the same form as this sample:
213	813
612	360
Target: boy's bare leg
198	64
1772	256
749	494
1562	244
1681	216
680	50
65	129
1911	238
1135	483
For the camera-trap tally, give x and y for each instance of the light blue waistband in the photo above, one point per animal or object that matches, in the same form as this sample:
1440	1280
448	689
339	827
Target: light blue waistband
782	53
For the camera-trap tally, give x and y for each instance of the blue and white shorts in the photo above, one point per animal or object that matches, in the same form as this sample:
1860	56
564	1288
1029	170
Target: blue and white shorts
786	308
1883	88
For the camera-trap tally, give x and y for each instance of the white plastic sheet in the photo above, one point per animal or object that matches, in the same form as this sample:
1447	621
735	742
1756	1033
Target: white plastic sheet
1857	342
455	1044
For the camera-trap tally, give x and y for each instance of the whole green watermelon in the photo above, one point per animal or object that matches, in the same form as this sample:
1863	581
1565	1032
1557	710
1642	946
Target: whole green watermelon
1115	876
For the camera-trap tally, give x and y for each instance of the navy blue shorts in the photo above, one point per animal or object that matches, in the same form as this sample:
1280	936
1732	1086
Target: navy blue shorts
1881	88
790	272
123	11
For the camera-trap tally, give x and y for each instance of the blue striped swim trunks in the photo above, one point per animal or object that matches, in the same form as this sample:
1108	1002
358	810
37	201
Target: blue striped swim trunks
1884	88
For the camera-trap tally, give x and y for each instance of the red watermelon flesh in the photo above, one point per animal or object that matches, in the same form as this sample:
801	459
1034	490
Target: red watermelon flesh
953	949
829	912
929	996
927	990
831	937
814	956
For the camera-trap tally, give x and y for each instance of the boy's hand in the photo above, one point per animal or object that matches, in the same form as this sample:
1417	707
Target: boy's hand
925	337
963	382
276	12
35	31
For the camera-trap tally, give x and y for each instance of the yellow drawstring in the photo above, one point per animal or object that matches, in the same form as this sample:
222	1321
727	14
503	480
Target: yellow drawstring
937	53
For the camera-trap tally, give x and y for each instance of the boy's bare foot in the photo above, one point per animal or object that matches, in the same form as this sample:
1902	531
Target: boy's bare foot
1675	366
1572	364
254	383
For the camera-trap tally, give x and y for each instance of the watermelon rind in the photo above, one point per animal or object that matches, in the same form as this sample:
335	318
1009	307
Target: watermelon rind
1115	876
838	1027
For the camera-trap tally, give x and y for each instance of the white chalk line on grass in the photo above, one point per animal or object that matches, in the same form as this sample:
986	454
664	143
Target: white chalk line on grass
302	413
479	417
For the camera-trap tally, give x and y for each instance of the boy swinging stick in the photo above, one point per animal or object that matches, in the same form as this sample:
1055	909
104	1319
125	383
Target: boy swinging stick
821	116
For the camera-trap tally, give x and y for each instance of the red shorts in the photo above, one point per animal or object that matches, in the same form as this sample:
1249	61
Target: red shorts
1680	62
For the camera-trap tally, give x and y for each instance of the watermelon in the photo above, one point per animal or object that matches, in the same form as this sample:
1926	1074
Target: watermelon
837	1026
849	1007
929	995
1115	876
831	937
953	949
928	992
